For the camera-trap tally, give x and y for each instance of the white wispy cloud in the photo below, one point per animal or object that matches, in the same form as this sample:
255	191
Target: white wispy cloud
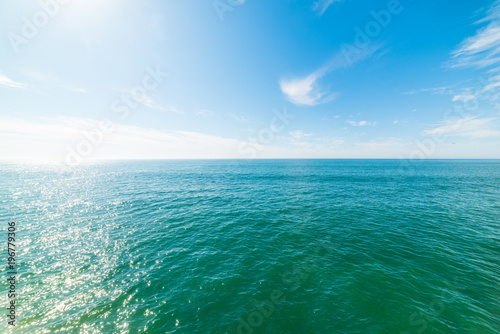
362	123
432	91
321	6
470	126
485	89
42	128
463	97
145	100
494	83
204	112
306	91
331	118
77	90
241	119
299	134
6	81
50	81
482	49
175	110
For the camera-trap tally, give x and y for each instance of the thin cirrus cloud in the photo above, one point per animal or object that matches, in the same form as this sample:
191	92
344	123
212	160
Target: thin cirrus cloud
483	49
176	110
6	81
204	112
241	119
464	98
432	91
299	134
362	123
147	101
487	93
48	81
470	126
307	91
321	6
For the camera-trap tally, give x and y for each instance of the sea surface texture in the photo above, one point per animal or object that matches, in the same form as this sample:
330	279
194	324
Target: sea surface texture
265	246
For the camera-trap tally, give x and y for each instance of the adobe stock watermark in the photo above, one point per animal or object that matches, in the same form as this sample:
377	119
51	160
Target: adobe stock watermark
436	307
122	107
223	6
364	37
31	27
292	280
267	135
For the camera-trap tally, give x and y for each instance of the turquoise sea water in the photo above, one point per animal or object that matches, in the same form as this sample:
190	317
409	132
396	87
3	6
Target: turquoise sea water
269	246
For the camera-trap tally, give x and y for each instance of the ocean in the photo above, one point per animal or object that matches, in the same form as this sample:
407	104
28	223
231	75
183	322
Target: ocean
263	246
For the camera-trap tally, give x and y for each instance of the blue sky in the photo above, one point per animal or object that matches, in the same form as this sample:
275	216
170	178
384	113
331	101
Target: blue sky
89	79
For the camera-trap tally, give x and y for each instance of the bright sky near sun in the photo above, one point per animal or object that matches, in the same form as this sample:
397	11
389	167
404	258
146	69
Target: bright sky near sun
118	79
